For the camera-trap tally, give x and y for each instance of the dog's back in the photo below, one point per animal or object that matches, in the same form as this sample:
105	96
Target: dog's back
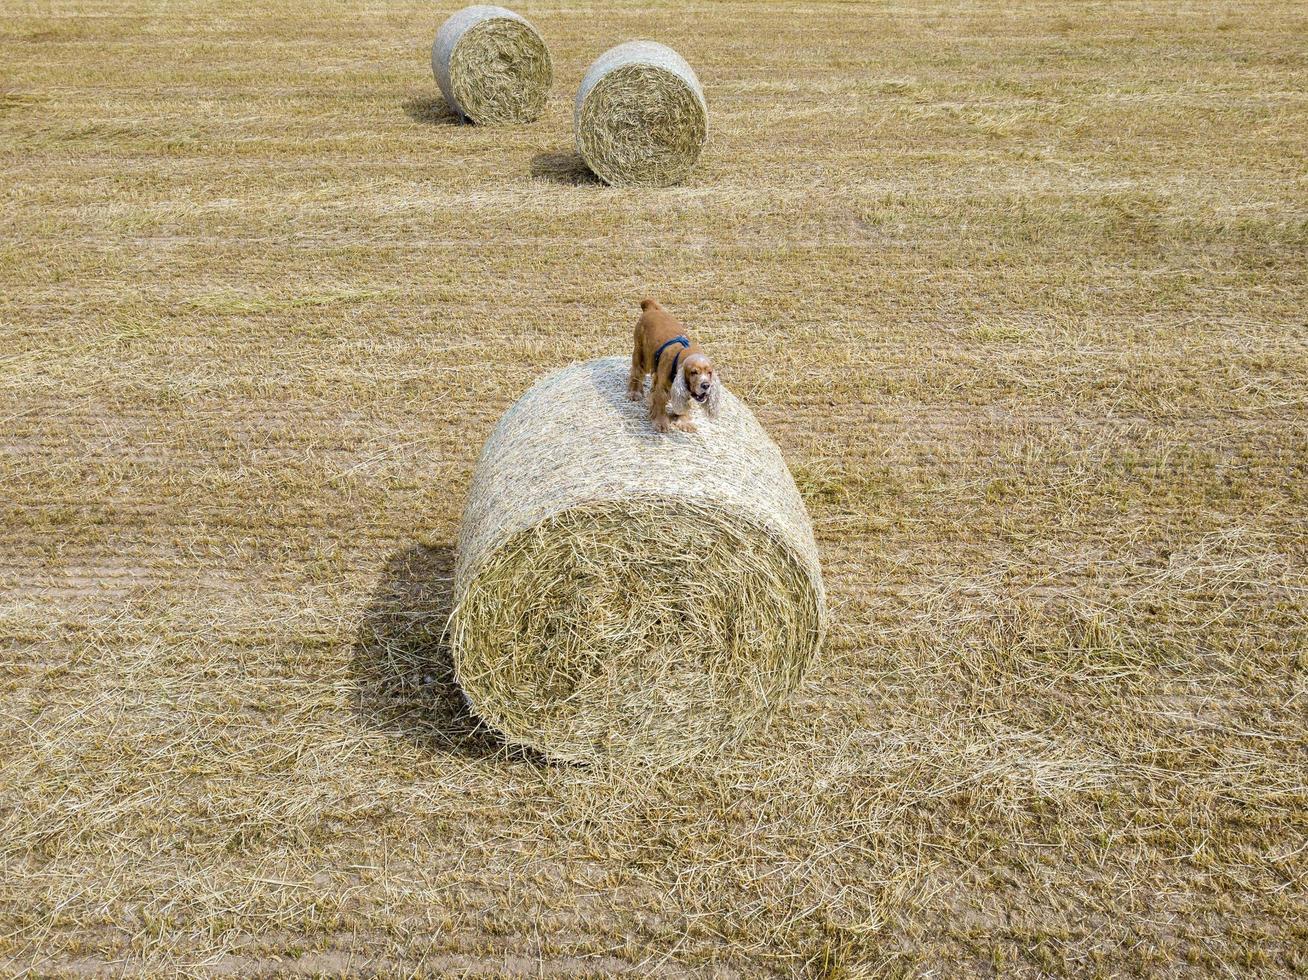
654	327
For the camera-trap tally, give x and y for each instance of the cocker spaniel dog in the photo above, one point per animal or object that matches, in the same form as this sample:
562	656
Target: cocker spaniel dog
682	373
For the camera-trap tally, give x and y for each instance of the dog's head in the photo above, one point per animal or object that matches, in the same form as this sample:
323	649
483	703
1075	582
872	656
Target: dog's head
696	379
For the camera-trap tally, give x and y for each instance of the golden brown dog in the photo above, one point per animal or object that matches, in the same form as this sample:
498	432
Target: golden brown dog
682	373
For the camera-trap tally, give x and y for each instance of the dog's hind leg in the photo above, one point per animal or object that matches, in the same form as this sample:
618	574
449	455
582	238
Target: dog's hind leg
636	379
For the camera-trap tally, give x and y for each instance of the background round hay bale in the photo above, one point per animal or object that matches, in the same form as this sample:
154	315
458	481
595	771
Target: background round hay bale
491	65
625	594
640	115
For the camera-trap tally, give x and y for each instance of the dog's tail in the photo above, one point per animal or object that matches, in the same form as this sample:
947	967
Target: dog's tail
646	303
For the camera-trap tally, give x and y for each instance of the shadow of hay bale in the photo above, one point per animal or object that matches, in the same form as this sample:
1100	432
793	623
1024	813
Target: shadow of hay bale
431	112
403	667
562	168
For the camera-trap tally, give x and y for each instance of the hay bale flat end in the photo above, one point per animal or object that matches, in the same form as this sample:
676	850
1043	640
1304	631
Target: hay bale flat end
640	117
492	66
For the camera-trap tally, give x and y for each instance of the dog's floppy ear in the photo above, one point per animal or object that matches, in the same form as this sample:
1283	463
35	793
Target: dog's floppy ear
680	394
714	402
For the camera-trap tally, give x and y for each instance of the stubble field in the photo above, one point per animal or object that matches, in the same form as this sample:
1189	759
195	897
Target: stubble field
1020	291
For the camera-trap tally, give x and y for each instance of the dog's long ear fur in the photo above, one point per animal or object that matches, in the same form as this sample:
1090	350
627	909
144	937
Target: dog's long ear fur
714	402
679	394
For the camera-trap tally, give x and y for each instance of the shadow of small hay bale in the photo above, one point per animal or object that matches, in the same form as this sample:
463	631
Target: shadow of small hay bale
431	112
625	595
562	168
492	66
640	117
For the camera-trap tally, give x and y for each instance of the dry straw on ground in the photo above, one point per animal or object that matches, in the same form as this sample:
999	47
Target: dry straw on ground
626	594
491	65
640	116
1018	292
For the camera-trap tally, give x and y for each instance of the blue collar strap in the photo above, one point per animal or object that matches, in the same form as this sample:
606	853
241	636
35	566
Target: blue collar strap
685	344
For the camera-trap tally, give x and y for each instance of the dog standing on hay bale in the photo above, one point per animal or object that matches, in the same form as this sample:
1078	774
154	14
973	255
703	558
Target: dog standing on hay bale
680	370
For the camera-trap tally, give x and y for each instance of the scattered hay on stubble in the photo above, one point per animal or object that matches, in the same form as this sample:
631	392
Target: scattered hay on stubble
1049	389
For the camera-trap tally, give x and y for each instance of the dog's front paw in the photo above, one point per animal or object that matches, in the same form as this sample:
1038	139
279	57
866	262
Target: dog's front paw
685	425
661	424
634	394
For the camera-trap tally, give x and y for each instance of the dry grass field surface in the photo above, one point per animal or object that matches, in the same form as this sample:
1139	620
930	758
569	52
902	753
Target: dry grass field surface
1019	289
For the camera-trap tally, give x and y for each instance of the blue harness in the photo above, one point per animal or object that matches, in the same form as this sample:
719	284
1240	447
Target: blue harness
685	344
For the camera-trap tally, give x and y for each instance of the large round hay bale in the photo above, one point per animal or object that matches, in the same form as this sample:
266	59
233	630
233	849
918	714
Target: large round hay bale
627	595
640	116
491	65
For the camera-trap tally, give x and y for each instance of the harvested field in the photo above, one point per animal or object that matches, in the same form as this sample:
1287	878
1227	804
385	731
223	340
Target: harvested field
1019	289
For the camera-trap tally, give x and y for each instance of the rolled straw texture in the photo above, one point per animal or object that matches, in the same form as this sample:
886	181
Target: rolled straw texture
640	117
625	595
491	65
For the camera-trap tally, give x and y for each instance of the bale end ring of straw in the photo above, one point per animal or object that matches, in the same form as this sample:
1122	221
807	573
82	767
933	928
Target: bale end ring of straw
492	66
640	116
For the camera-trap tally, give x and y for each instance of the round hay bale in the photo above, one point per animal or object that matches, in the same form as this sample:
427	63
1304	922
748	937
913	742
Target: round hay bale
491	65
640	116
621	594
